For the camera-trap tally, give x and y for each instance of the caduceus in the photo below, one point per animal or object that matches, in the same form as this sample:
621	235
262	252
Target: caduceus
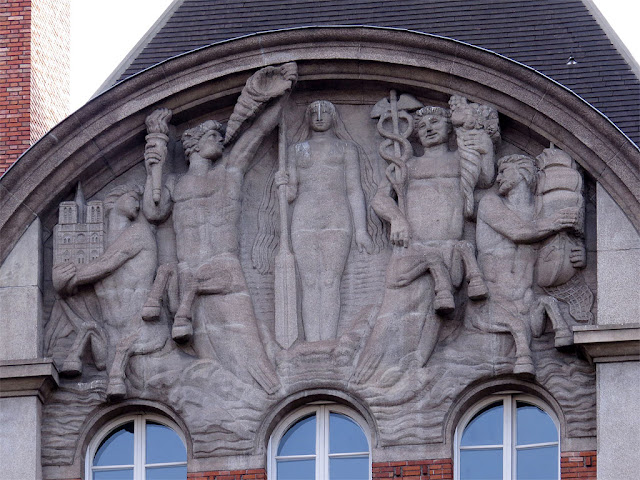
396	148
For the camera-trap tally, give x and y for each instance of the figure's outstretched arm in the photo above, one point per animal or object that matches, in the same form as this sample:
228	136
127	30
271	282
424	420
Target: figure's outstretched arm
509	224
126	246
281	78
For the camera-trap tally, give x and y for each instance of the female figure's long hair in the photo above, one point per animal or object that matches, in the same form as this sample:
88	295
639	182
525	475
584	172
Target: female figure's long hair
268	237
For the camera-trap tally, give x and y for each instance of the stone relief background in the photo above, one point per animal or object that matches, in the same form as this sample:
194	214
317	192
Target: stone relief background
223	410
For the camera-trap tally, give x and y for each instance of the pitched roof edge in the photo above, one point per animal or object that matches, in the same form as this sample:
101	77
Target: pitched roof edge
613	36
137	49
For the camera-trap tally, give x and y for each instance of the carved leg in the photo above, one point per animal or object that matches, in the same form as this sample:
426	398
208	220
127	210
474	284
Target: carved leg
477	289
153	304
116	389
563	334
98	349
182	329
443	301
428	338
72	366
522	337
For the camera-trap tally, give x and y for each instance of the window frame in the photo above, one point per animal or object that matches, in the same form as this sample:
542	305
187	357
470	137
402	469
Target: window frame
509	402
139	442
322	456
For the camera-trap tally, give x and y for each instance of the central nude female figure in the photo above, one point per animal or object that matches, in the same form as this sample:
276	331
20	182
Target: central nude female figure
323	183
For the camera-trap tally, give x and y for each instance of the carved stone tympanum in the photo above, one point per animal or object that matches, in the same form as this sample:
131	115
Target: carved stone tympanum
305	246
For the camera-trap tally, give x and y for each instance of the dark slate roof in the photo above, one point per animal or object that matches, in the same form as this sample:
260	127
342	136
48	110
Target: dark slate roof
542	34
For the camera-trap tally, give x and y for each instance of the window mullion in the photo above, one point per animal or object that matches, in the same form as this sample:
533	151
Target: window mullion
321	467
139	434
325	453
507	440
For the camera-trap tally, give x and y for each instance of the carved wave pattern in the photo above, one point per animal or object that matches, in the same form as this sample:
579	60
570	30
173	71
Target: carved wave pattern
63	417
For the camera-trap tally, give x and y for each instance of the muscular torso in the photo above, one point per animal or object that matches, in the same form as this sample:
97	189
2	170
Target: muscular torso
434	199
123	292
322	190
206	209
507	266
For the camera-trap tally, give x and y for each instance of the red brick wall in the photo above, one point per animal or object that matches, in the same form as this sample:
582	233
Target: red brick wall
34	72
251	474
15	79
578	465
573	465
441	469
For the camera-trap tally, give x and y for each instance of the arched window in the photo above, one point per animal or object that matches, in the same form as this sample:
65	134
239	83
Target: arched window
508	437
320	442
137	447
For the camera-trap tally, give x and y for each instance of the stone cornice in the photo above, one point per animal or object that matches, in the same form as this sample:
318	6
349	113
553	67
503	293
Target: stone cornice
609	343
21	378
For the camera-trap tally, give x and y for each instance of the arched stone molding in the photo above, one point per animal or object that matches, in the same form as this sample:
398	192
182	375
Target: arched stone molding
104	138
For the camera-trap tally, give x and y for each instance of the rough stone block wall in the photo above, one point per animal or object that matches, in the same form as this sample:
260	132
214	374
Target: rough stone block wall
15	78
50	64
578	465
441	469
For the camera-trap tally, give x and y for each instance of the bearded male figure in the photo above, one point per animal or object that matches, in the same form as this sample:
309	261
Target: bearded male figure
507	234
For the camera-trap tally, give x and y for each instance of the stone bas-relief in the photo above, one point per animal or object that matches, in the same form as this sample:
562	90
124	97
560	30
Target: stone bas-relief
324	185
413	270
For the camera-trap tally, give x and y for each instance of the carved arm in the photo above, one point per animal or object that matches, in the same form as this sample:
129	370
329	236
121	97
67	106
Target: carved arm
245	147
386	207
508	223
356	198
126	246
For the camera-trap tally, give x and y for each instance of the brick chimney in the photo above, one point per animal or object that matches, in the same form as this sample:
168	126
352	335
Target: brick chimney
34	72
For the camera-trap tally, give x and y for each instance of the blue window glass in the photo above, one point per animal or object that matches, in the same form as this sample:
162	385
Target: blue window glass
534	425
539	463
297	469
120	474
117	448
509	439
139	449
485	428
300	439
323	443
163	445
481	464
350	468
345	435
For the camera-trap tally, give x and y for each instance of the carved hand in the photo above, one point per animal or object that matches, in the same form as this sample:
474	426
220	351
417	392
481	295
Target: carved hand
578	256
479	141
566	218
364	242
290	72
400	232
64	278
281	178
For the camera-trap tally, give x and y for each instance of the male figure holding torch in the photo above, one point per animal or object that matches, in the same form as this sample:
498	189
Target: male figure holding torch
205	203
